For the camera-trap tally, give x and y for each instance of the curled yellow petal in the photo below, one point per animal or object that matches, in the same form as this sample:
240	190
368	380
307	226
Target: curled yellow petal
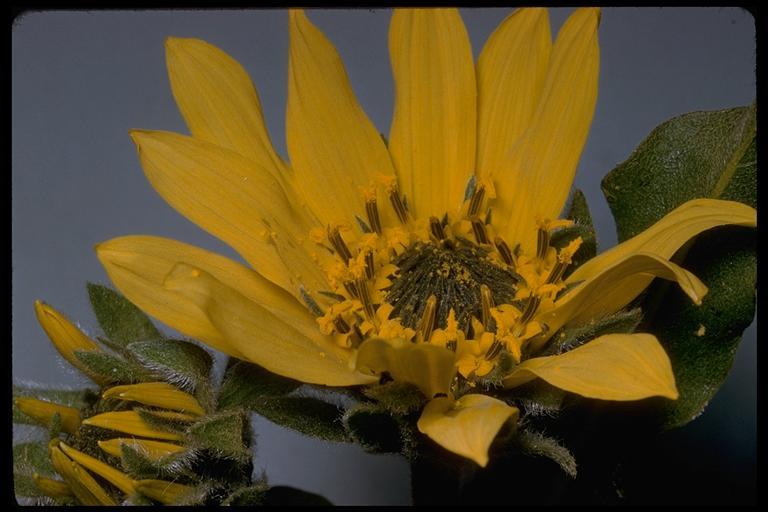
611	367
165	492
43	412
510	79
64	335
427	366
541	165
152	449
158	394
86	489
129	422
614	288
334	147
262	337
433	133
218	100
51	487
107	472
670	233
466	426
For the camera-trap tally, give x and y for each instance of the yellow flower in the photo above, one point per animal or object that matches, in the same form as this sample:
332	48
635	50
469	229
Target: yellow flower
358	249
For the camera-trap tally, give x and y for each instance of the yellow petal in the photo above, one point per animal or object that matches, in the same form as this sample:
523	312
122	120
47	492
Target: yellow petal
131	423
510	79
614	288
43	412
611	367
158	394
234	199
466	426
334	148
86	488
427	366
165	492
65	336
217	99
671	232
261	336
172	416
52	488
138	265
433	133
152	449
542	164
107	472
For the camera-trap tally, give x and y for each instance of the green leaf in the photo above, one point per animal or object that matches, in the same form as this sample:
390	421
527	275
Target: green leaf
702	341
222	434
700	154
281	495
252	495
138	466
305	414
245	384
30	458
373	428
578	212
112	369
121	321
180	363
396	397
571	337
537	444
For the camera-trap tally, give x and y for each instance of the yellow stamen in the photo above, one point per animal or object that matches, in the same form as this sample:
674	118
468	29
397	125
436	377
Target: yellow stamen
110	474
427	323
129	422
370	270
43	412
338	244
165	492
476	201
365	298
542	242
372	211
507	256
158	394
478	228
530	309
152	449
397	204
436	228
486	300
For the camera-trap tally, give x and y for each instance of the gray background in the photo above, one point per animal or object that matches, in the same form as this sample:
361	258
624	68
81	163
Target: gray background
81	80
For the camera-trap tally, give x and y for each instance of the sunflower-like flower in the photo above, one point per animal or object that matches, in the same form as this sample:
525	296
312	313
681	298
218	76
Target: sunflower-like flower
427	257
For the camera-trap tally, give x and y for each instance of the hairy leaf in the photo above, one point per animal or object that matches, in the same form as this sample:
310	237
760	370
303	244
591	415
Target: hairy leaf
121	321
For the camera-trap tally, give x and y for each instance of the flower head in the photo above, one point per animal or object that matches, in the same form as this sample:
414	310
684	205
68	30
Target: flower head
429	257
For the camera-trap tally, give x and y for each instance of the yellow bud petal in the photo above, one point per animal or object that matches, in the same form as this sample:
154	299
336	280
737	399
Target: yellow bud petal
65	336
152	449
43	412
166	493
52	488
112	475
158	394
129	422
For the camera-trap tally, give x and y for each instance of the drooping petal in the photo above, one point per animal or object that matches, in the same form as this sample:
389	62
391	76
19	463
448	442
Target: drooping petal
158	394
611	367
542	164
163	491
218	100
64	335
138	265
429	367
510	79
107	472
671	232
234	199
261	336
433	135
466	426
614	288
333	146
152	449
129	422
86	488
44	412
